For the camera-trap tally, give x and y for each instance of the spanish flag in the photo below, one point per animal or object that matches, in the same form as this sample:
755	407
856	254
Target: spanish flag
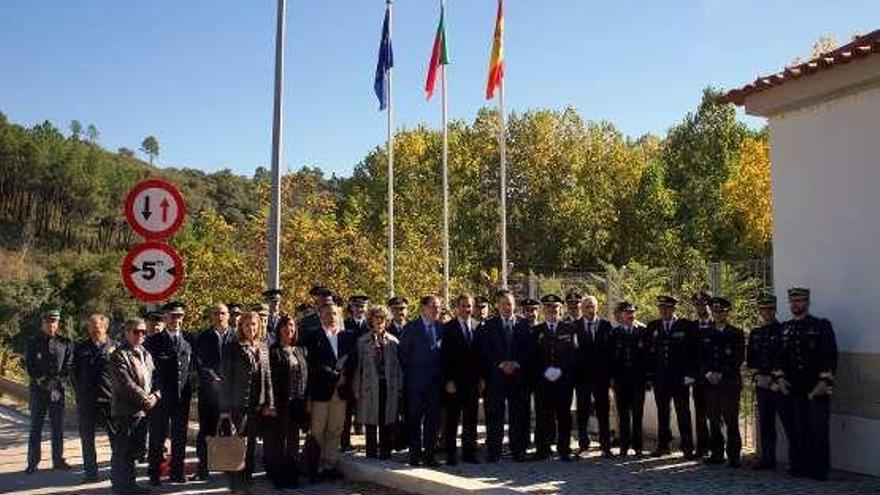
496	64
439	55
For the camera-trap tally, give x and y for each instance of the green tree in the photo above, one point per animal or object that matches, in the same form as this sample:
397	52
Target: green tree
150	147
76	130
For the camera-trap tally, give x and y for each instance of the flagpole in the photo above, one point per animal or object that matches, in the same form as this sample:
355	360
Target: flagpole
390	163
444	115
502	146
277	126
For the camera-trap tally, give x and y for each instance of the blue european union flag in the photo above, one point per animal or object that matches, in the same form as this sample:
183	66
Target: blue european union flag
386	62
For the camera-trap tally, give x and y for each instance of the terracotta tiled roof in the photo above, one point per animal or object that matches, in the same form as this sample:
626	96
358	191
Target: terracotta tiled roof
860	47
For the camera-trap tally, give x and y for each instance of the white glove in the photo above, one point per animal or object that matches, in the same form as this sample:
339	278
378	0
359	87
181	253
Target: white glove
688	380
55	396
552	374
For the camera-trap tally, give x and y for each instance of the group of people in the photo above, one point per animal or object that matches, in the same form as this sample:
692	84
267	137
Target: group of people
316	377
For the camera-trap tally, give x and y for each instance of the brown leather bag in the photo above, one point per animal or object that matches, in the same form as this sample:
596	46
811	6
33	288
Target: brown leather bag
227	453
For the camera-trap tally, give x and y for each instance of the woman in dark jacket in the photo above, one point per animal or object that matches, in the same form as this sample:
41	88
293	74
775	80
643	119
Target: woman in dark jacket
289	378
247	389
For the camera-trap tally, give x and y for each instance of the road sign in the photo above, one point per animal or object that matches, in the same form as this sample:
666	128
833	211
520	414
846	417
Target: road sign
154	208
152	271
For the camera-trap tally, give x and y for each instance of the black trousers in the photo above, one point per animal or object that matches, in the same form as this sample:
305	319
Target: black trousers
209	415
168	420
378	436
281	442
723	404
124	450
701	419
680	395
40	403
512	397
630	398
423	404
248	423
554	416
89	417
462	408
770	405
810	434
592	400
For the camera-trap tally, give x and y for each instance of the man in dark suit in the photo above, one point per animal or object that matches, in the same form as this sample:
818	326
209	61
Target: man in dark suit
422	364
595	374
173	357
557	349
273	299
91	379
208	354
508	351
356	325
461	356
134	392
481	309
630	350
49	360
310	324
675	360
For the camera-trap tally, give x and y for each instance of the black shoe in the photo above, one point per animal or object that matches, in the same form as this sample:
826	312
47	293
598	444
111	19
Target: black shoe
660	452
61	465
334	474
565	457
713	460
315	478
415	461
90	478
431	462
541	456
689	456
452	461
179	479
797	473
493	458
819	476
384	456
154	480
607	454
371	454
764	466
30	470
734	463
470	459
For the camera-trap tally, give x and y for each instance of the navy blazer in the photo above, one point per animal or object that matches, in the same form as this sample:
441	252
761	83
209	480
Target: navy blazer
594	351
495	350
173	365
325	368
209	354
420	358
461	357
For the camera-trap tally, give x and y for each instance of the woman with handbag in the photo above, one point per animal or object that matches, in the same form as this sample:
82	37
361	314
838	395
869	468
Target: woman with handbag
281	433
247	395
377	384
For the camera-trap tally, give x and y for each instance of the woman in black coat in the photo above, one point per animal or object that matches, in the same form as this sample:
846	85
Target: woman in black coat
289	378
247	394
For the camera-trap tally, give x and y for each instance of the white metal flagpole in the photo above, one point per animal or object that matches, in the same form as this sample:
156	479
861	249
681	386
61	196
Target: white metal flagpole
502	147
390	163
277	127
444	117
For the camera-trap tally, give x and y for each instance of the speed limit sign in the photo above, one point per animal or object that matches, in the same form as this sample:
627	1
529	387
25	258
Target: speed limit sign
152	271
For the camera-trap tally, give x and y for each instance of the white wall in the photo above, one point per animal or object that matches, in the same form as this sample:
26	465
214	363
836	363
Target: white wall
826	201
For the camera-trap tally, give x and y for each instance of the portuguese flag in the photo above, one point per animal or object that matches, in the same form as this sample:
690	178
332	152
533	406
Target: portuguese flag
439	55
496	64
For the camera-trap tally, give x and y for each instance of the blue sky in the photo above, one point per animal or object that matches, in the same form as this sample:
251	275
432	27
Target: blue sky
198	73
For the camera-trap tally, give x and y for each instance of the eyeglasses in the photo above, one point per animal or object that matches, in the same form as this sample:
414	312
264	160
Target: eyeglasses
139	331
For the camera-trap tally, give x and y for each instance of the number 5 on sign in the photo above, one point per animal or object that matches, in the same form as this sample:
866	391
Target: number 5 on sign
152	271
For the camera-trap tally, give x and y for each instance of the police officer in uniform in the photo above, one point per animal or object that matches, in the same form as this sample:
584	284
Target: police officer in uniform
556	366
273	299
399	307
173	358
49	359
91	380
721	352
699	327
529	320
675	357
763	358
481	308
235	310
630	346
807	379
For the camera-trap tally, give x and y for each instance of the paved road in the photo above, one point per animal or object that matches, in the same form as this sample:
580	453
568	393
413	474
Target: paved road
13	454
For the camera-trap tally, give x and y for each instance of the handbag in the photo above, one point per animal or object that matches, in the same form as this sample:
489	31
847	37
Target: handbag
227	453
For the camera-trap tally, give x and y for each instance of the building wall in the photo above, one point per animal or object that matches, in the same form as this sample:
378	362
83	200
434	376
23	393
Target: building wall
826	201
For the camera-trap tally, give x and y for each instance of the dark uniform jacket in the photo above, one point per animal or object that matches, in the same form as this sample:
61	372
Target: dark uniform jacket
557	349
325	368
673	351
764	352
131	378
357	328
247	376
173	365
91	377
594	359
461	356
809	350
631	354
721	351
49	361
497	347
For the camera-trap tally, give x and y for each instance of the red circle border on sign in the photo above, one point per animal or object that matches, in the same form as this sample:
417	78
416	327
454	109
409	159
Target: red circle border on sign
130	206
125	271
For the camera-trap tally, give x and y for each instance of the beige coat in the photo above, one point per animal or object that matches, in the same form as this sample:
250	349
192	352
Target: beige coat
366	380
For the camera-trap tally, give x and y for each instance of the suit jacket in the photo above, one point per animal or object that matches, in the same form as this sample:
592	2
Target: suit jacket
247	382
173	365
49	361
462	357
131	382
358	329
673	353
209	354
91	377
594	363
325	368
421	356
497	348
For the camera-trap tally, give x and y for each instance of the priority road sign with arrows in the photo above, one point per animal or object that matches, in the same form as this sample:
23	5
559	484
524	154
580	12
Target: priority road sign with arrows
152	271
154	208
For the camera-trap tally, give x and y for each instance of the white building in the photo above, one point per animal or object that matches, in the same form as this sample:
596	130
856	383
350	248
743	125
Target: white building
824	119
